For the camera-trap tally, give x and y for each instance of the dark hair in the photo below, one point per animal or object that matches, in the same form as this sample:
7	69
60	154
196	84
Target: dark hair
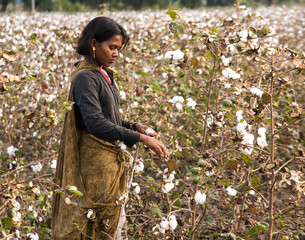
101	29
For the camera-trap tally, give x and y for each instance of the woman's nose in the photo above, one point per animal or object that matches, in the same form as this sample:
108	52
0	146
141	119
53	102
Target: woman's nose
115	52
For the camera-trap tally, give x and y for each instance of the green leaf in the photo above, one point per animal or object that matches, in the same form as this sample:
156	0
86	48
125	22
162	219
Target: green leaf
252	29
59	191
33	36
155	188
172	13
11	213
76	193
255	181
7	223
210	221
155	211
246	158
266	98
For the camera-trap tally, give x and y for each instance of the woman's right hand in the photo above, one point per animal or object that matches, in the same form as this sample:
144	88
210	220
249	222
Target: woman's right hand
155	145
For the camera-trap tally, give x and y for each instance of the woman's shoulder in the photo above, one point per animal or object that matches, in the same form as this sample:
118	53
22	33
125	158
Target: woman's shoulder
86	77
85	73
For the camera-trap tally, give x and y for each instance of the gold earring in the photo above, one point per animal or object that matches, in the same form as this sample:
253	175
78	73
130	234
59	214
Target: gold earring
93	49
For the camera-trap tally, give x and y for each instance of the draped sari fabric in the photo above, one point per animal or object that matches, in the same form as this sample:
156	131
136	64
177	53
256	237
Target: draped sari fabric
97	169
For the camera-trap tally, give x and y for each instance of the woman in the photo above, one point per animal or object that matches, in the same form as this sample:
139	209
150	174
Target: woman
89	158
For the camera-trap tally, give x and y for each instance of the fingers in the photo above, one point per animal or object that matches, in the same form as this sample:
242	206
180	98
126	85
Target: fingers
161	150
155	145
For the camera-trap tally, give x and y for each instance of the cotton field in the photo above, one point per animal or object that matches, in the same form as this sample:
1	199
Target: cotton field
224	90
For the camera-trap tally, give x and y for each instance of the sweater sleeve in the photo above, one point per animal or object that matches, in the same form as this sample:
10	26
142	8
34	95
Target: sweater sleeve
126	124
86	96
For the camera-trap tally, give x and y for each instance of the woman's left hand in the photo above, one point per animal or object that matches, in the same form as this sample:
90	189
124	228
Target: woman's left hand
145	130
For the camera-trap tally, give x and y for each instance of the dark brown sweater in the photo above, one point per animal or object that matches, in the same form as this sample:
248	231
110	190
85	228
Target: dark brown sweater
97	108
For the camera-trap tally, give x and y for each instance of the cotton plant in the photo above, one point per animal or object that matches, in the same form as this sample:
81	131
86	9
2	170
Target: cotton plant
200	197
12	151
166	224
229	73
226	60
231	191
136	188
191	103
174	55
256	91
177	101
139	167
261	140
168	184
37	167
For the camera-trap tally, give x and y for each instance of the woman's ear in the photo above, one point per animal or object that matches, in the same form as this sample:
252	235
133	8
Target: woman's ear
93	43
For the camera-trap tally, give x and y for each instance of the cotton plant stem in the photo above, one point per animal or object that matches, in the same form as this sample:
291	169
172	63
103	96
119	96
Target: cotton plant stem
208	108
157	108
118	231
203	145
194	215
285	127
270	233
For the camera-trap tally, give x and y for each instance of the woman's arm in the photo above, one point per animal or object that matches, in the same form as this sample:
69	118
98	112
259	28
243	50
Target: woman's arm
86	96
155	145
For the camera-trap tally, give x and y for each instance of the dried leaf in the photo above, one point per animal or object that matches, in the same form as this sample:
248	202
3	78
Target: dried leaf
299	63
172	166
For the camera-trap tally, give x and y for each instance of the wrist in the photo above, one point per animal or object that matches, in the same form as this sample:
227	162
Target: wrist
142	138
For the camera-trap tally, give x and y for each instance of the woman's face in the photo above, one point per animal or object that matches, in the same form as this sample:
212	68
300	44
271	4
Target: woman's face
106	52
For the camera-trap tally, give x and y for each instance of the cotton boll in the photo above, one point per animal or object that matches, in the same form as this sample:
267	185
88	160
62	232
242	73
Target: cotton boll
123	95
169	55
50	98
134	104
155	230
239	115
136	188
252	192
247	151
261	131
11	150
16	205
33	236
177	55
226	61
139	167
243	35
164	224
122	146
230	48
241	126
257	92
261	141
191	103
200	198
168	186
231	191
53	164
248	138
91	214
149	131
179	106
161	230
227	85
37	167
171	177
17	217
172	222
177	99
